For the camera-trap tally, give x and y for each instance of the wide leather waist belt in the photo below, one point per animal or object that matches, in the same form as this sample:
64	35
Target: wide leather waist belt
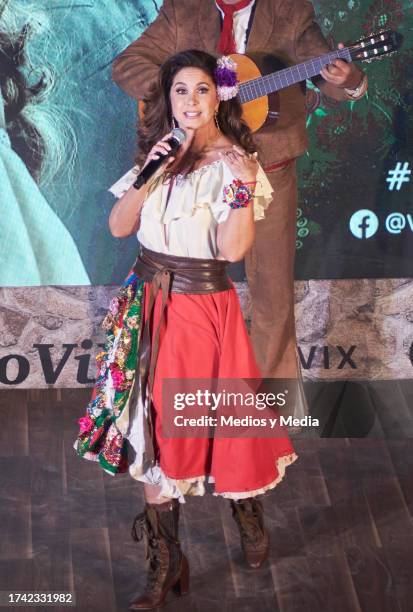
184	274
167	273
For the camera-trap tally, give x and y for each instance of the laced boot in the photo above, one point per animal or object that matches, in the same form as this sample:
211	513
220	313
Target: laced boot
249	516
168	566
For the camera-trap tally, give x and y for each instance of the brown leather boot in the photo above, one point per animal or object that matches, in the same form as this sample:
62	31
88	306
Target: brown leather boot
168	566
249	516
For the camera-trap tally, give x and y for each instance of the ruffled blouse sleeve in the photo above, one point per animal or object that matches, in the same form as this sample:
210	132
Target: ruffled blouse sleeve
262	197
182	219
203	188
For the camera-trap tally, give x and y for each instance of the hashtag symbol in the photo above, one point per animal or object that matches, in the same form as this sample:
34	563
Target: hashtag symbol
398	176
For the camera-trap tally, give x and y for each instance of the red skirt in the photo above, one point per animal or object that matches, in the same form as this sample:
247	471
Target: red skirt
204	336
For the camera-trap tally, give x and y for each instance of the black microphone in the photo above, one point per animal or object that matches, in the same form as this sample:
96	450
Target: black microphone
177	138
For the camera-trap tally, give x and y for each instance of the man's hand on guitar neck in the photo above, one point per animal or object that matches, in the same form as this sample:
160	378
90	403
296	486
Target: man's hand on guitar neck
338	76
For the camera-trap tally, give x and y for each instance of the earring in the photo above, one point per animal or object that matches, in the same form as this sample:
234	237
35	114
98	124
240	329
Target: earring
216	121
174	124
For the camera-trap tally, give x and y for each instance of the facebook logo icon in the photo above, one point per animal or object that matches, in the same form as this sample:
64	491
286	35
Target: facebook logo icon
364	224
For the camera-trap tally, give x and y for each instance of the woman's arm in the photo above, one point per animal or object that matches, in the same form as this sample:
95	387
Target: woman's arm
236	234
125	216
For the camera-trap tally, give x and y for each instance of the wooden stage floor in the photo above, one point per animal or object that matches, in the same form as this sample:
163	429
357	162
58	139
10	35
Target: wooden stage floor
340	523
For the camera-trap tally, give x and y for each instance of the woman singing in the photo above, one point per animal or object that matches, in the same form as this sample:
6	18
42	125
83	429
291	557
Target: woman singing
177	316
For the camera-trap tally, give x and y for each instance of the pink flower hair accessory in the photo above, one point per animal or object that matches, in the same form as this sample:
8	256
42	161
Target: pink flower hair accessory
226	78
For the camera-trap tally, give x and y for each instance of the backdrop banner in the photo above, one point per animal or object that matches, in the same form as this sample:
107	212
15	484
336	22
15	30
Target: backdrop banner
346	329
67	133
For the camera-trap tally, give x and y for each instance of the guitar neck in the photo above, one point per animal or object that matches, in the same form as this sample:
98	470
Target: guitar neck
262	86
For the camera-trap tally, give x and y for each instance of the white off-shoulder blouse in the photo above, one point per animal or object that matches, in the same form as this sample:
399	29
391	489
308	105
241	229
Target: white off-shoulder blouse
187	224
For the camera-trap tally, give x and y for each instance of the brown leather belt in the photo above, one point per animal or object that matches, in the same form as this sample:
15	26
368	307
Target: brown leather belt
182	274
168	273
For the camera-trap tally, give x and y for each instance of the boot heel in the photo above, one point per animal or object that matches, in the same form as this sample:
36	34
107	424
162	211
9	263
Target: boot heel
158	525
181	587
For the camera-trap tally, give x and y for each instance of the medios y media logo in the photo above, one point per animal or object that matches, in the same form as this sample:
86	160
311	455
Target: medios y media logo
364	223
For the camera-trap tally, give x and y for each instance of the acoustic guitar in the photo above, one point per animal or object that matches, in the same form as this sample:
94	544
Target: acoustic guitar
262	76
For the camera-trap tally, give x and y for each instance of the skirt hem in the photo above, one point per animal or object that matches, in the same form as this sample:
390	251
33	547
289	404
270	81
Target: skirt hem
282	463
195	486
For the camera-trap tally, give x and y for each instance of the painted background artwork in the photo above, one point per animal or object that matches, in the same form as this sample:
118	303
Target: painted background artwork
360	158
78	136
67	133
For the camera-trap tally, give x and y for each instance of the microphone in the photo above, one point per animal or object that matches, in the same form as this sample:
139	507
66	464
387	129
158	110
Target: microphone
177	138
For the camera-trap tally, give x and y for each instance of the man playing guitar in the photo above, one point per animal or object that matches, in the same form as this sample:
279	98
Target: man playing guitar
284	29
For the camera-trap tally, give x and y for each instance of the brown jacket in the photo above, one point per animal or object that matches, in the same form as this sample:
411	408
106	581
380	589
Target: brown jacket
284	28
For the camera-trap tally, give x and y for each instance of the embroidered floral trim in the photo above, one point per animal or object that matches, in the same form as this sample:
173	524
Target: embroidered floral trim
99	438
199	170
237	194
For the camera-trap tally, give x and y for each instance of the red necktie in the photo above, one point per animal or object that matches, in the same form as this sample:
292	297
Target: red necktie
226	43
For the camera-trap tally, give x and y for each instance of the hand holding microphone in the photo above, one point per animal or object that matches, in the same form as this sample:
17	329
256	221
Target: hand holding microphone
159	154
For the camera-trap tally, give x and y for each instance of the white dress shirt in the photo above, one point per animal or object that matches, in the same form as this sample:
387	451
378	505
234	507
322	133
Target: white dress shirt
241	21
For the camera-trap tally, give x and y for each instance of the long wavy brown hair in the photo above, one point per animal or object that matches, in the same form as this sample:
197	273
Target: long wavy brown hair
157	118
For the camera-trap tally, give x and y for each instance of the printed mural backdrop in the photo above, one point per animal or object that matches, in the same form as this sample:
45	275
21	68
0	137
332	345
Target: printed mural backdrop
67	133
360	159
